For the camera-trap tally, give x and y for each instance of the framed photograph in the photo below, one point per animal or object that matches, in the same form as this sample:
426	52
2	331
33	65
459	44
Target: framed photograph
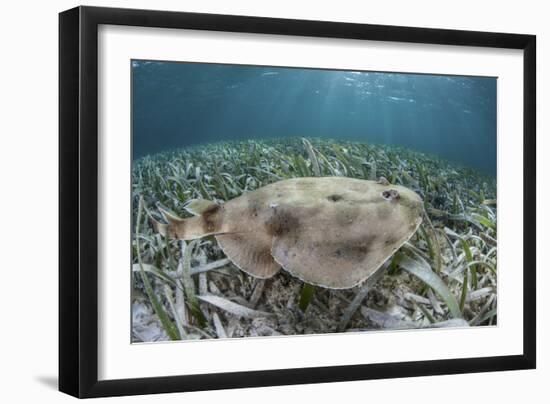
250	201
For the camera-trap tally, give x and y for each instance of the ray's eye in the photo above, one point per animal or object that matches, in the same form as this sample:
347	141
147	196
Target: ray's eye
390	195
334	197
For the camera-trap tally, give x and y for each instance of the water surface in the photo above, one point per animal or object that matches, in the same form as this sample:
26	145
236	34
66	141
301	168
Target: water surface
182	104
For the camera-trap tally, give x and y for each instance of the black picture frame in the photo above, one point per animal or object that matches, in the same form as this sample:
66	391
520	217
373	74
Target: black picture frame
78	201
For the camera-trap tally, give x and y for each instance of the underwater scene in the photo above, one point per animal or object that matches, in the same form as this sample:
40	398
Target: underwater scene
272	201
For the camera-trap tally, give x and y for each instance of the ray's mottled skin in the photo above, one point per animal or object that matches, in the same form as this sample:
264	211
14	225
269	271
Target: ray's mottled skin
333	232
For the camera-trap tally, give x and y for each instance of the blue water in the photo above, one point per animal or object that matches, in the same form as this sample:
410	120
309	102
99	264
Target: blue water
181	104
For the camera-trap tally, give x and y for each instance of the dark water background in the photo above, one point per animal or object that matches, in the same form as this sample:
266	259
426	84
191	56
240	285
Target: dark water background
182	104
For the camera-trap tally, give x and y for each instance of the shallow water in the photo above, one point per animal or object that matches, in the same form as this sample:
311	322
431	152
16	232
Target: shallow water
217	132
182	104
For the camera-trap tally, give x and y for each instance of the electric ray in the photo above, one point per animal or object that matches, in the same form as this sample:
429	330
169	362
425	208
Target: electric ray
333	232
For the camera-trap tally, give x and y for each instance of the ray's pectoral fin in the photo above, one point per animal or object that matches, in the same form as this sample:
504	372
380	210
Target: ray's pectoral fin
251	252
336	264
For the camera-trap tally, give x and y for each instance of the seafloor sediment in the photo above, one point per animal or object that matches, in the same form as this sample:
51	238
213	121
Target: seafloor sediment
444	276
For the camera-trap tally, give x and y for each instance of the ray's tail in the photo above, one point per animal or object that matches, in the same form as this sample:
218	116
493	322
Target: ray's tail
207	221
183	229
